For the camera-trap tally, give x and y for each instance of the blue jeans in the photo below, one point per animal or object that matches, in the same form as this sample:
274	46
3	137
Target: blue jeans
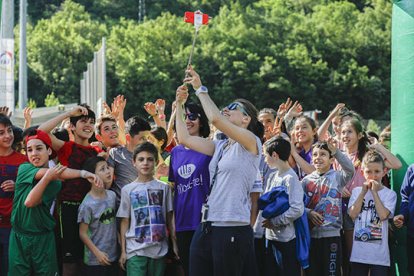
223	251
4	250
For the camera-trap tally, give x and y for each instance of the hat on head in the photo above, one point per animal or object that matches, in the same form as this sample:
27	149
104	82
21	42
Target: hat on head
44	137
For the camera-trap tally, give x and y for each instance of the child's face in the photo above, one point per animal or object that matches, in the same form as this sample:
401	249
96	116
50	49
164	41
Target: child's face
145	163
349	136
109	134
138	139
270	159
6	136
267	120
336	124
374	171
38	153
322	160
303	131
105	172
84	128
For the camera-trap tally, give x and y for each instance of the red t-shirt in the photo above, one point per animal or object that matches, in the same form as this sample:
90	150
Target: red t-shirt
8	171
73	156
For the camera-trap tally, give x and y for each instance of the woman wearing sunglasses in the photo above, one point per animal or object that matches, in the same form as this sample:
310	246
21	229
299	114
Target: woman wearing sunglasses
223	244
190	178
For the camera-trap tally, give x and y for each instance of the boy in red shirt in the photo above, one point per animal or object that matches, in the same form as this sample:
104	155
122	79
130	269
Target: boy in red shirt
72	154
9	163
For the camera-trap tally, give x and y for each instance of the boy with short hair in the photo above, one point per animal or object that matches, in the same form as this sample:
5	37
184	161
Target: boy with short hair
323	205
72	154
97	225
281	229
370	207
107	132
9	164
120	158
147	214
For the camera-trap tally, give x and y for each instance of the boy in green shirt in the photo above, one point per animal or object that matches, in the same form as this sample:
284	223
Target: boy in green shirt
32	248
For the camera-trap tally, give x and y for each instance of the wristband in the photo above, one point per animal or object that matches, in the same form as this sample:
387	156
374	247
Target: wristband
201	89
83	173
162	117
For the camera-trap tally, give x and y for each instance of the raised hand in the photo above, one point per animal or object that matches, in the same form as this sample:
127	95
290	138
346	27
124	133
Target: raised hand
181	94
150	108
160	104
295	110
27	114
78	111
276	129
284	107
5	111
192	78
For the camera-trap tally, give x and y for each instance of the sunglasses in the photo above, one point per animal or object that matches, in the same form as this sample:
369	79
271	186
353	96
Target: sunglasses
237	106
192	116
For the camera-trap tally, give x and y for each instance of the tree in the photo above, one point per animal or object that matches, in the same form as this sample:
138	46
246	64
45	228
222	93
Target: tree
59	49
51	100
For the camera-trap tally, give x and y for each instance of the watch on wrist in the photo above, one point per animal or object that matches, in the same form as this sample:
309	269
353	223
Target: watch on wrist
201	89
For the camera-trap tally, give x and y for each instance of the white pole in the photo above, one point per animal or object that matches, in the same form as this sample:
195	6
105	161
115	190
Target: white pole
23	57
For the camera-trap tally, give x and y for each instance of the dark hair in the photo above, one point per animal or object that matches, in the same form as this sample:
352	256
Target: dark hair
311	122
349	113
102	119
322	145
18	136
90	163
254	126
147	147
270	111
160	134
29	132
61	134
5	120
135	125
363	143
373	156
372	134
91	115
204	125
279	145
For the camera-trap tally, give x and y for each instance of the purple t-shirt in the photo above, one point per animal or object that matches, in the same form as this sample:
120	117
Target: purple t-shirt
189	171
307	156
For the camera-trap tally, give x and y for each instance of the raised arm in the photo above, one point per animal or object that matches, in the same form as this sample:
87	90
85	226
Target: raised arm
323	129
241	135
391	161
193	142
48	126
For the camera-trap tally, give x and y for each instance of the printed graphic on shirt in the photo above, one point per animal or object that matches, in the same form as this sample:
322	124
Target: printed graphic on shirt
185	171
323	199
368	226
150	222
107	216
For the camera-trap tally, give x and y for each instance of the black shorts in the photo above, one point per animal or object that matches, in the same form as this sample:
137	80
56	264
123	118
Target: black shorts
71	245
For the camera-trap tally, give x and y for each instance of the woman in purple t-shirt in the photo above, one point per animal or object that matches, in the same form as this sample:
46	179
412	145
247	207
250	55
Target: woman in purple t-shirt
190	176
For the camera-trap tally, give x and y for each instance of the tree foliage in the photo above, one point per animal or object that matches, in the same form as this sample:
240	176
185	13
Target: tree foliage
317	51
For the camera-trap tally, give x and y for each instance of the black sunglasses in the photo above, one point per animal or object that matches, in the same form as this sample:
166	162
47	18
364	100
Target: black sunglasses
192	116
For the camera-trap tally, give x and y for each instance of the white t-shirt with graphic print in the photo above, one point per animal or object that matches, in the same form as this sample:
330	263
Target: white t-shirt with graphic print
146	205
370	244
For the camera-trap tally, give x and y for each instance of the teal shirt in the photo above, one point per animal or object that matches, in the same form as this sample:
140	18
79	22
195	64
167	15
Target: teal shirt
36	220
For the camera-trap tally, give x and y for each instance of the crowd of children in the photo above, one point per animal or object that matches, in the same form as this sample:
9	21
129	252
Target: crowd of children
105	196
